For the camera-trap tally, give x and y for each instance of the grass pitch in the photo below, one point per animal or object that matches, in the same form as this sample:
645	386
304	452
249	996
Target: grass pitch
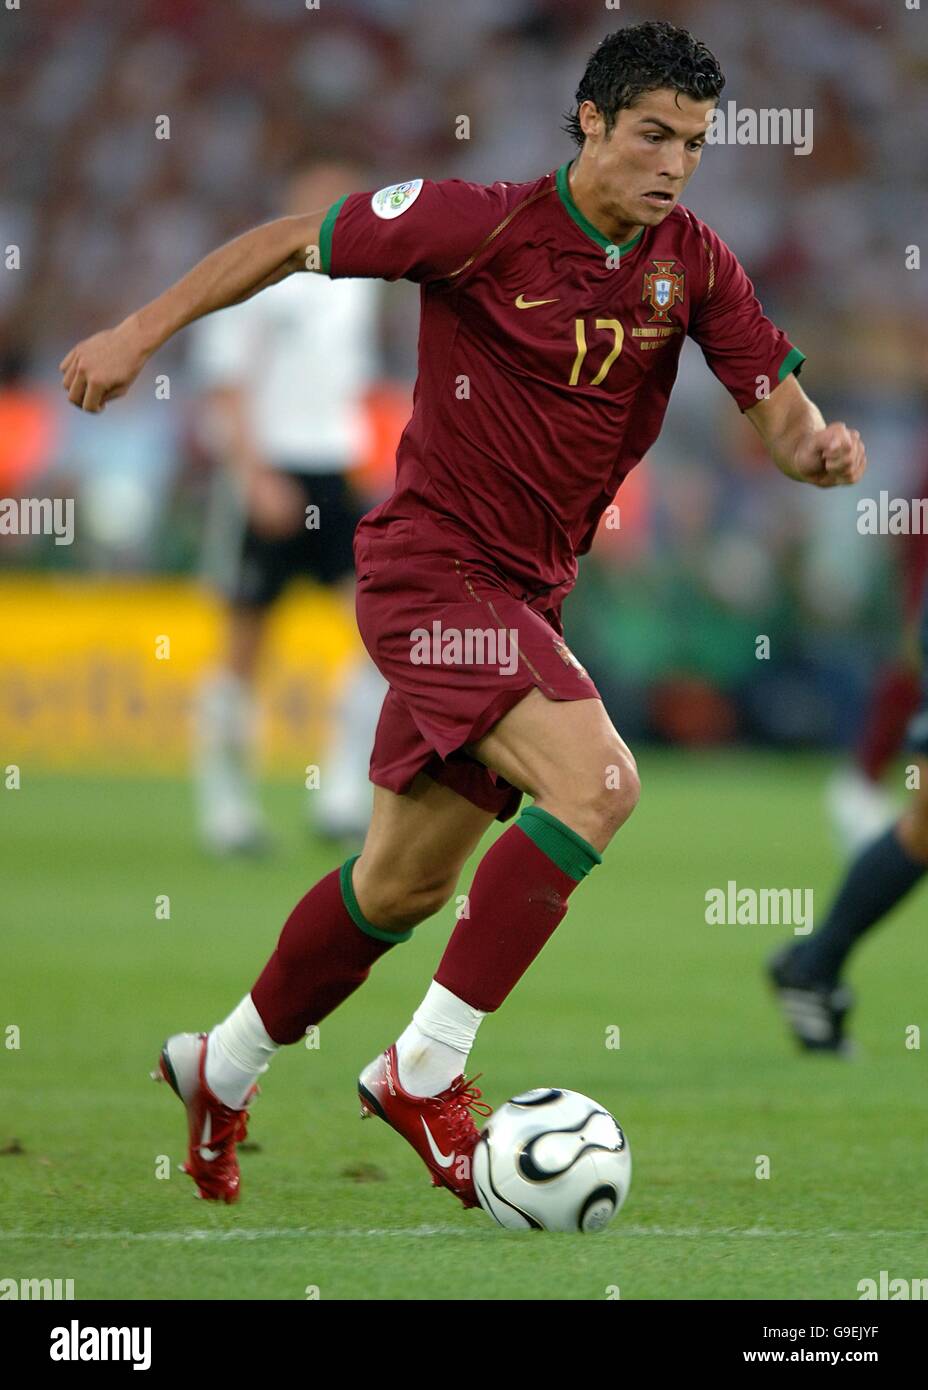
704	1081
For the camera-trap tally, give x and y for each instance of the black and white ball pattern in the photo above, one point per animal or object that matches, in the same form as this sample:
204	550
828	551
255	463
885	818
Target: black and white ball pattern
552	1160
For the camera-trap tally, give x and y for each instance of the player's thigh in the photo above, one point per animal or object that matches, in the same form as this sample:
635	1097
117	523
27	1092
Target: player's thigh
416	846
570	757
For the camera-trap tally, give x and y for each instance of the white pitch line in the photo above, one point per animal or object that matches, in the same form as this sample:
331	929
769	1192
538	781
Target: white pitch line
418	1232
237	1233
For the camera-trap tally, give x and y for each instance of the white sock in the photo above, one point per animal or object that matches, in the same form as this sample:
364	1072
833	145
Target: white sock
238	1051
343	801
225	741
434	1048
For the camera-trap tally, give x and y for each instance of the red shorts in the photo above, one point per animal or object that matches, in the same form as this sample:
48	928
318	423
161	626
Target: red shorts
459	650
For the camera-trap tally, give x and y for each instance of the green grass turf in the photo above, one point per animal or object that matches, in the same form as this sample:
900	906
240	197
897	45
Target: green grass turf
704	1082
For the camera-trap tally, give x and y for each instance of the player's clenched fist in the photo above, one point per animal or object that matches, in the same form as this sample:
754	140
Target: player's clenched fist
832	457
103	367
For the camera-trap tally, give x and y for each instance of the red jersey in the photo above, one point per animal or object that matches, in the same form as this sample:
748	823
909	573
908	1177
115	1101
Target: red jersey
546	360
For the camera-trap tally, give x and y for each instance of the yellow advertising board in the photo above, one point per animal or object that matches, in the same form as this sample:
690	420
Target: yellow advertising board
103	673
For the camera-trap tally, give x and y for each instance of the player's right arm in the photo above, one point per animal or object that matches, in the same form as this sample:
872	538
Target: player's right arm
419	230
103	367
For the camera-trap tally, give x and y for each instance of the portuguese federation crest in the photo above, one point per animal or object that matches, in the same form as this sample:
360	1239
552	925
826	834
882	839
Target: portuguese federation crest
662	288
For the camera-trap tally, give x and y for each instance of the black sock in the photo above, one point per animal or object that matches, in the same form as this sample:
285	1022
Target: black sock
878	879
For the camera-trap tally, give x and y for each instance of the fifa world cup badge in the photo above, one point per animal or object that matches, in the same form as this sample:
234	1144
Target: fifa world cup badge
398	198
662	288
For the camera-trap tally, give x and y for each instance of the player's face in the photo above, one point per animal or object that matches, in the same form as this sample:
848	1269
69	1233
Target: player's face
643	166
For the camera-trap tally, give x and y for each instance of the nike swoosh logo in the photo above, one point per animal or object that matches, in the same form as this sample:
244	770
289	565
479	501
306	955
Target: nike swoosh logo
441	1159
206	1134
523	303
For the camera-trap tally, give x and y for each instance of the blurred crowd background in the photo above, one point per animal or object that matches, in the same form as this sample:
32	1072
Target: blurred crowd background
714	547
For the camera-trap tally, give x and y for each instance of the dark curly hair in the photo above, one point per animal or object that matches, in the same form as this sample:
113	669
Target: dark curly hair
641	59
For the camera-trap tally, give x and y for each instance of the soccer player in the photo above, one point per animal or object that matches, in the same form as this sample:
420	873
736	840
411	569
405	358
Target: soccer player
287	416
806	975
552	317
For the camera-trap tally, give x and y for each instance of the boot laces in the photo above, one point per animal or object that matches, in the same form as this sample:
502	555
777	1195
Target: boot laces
232	1130
463	1098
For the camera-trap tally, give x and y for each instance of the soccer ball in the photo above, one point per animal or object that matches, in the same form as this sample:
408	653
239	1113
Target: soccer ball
552	1161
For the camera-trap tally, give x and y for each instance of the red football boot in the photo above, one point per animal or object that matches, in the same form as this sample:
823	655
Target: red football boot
214	1128
440	1128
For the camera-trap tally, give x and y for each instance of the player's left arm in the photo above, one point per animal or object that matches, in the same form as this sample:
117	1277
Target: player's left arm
801	444
749	354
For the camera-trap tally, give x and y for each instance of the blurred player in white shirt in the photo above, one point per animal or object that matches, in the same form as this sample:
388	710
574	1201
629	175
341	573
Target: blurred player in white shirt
283	375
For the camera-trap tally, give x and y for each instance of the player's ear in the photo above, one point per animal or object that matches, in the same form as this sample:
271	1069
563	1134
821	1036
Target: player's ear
591	120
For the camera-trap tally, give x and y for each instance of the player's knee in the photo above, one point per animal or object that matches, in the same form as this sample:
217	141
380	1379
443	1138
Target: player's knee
602	799
612	795
619	794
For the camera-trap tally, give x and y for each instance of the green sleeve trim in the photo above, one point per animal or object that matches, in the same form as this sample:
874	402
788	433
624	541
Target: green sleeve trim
357	916
325	234
792	362
572	854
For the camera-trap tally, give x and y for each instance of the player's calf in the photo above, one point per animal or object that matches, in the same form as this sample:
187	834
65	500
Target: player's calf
413	854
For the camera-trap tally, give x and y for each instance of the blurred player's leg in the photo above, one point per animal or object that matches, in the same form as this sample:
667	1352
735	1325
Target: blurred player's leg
229	815
247	563
342	805
252	582
859	807
807	975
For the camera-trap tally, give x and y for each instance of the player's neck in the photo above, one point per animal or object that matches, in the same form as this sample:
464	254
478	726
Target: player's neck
580	181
